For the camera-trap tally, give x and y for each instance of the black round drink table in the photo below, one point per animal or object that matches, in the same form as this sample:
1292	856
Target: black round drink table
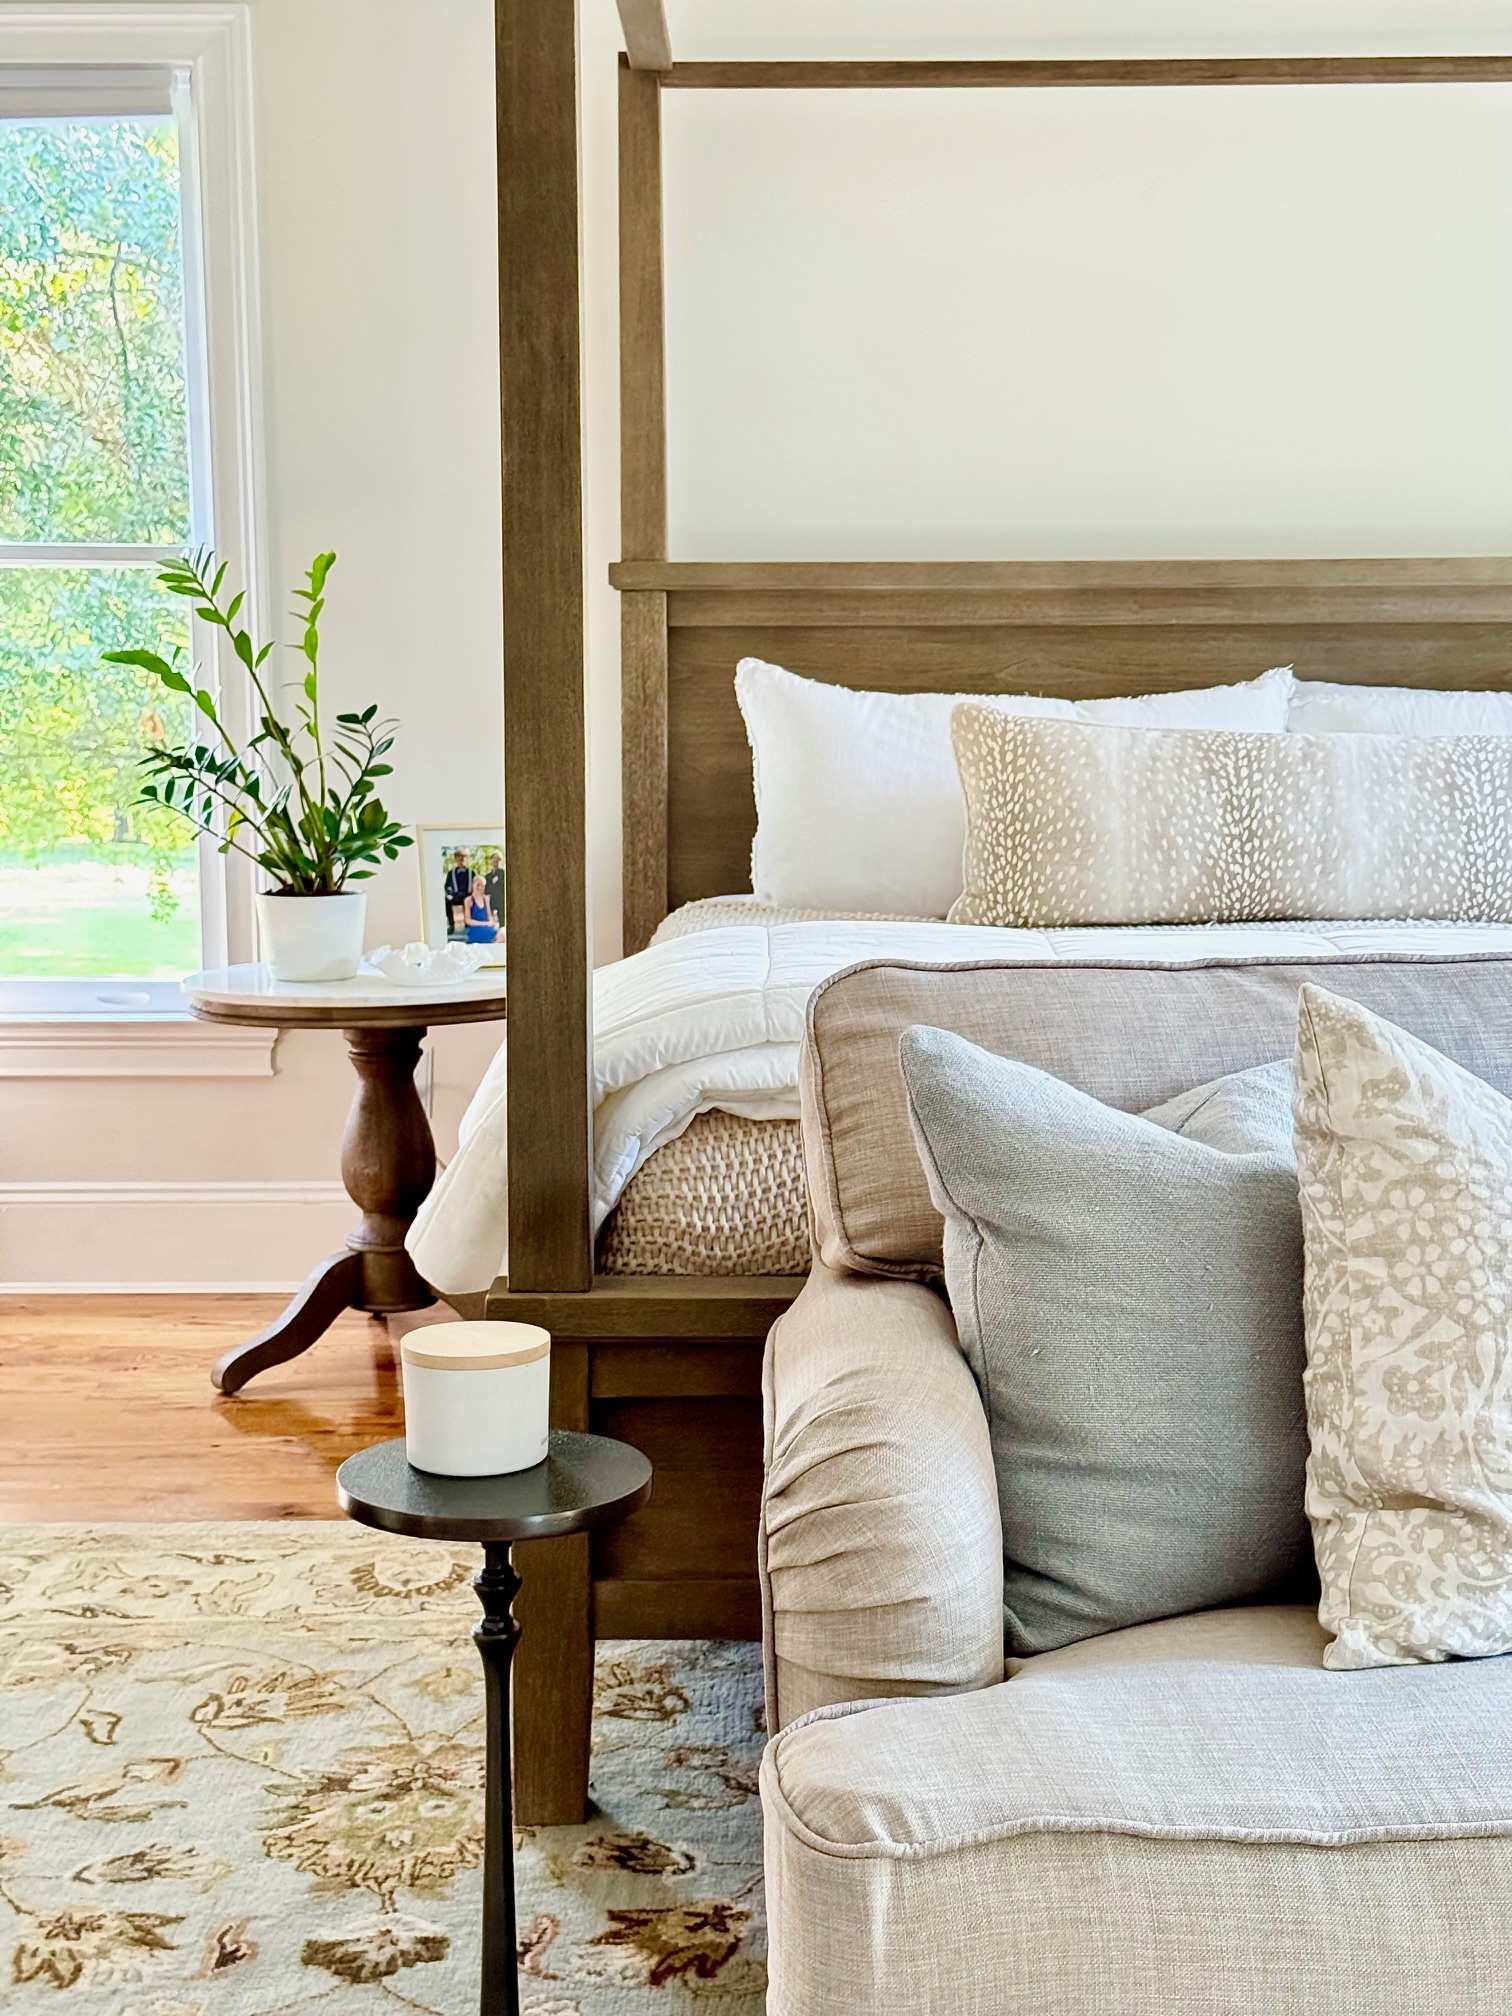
586	1481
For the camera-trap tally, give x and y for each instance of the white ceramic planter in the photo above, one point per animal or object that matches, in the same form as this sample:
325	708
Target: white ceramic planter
312	937
477	1397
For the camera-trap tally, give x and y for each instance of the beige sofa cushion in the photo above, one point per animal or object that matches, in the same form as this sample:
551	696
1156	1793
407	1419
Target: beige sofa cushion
1131	1035
1098	1924
1190	1818
1223	1726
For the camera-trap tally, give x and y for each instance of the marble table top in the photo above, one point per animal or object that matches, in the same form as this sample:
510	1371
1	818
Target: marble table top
250	993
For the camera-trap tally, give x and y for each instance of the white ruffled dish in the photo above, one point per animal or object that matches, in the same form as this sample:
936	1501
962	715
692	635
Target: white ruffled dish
417	965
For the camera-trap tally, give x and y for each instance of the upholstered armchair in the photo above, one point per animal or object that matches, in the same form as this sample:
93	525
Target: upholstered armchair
1190	1817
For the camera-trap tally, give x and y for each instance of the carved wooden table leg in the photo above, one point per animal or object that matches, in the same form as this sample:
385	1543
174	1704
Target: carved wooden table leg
334	1286
388	1163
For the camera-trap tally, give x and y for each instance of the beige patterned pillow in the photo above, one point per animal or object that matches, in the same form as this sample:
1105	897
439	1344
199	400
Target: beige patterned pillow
1405	1167
1069	823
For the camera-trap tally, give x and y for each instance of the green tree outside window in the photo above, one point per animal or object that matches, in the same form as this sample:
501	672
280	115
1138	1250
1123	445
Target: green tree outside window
94	446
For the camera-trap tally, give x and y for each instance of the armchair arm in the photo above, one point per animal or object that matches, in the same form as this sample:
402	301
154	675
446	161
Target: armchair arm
881	1547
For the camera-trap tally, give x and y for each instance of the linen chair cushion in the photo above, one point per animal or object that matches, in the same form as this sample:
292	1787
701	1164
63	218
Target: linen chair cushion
1131	1035
1190	1818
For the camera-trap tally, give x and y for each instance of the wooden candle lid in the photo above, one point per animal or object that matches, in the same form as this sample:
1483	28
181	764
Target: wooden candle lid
474	1347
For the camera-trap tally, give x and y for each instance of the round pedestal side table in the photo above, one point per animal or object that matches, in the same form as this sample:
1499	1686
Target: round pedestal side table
586	1481
388	1160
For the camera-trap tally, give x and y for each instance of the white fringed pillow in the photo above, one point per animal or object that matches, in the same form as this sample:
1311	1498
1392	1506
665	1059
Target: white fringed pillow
858	804
1071	824
1404	1162
1317	707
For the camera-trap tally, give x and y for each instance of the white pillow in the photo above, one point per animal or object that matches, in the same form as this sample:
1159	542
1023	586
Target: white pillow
858	801
1320	709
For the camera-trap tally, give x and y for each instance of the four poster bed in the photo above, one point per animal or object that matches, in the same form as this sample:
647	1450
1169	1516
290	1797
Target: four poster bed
671	1361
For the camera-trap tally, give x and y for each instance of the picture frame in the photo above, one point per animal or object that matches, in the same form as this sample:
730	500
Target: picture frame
444	855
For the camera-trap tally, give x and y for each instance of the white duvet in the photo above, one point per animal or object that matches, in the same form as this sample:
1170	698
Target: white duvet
714	1019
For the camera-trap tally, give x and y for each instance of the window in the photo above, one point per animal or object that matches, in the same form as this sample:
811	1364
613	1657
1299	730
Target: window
130	427
96	488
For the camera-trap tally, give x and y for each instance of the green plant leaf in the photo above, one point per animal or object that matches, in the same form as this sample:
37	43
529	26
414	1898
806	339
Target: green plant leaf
149	661
279	810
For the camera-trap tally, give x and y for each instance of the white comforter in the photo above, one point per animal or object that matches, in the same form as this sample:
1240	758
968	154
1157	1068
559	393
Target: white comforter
715	1019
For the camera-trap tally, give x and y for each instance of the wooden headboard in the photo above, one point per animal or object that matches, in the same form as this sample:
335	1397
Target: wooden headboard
1078	628
1075	628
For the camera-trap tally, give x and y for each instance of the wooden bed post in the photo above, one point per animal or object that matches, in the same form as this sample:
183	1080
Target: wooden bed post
545	826
643	503
545	797
644	23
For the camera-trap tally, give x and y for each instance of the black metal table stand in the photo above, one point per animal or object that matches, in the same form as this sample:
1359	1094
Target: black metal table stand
496	1634
586	1481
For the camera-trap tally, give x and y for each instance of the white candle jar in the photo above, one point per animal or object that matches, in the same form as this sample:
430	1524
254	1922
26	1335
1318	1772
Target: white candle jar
477	1397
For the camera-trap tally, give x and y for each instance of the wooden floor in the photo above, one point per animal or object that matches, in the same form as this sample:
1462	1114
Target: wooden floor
107	1411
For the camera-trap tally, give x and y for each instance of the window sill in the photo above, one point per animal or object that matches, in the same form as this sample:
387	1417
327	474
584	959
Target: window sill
120	1029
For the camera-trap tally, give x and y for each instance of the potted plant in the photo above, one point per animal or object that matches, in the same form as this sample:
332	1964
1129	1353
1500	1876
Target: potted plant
298	798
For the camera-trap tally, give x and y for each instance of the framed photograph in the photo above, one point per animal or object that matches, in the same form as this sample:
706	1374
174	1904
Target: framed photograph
462	886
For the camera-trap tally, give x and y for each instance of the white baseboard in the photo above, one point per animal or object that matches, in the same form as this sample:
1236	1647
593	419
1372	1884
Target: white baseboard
167	1238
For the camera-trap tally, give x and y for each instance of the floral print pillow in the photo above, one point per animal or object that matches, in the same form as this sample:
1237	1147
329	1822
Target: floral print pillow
1405	1166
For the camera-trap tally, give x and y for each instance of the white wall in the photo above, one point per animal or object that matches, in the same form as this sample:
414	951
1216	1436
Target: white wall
375	182
1089	324
375	136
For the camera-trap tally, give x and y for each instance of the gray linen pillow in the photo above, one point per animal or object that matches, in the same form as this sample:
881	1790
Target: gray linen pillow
1128	1292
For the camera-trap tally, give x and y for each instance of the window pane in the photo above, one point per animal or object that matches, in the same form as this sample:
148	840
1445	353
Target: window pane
93	411
91	882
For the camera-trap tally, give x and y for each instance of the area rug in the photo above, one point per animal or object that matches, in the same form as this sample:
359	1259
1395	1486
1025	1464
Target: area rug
241	1773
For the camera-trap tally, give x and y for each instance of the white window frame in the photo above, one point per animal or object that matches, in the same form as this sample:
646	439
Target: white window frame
209	48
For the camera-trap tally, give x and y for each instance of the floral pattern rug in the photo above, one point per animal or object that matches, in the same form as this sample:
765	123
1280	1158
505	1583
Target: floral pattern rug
241	1775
